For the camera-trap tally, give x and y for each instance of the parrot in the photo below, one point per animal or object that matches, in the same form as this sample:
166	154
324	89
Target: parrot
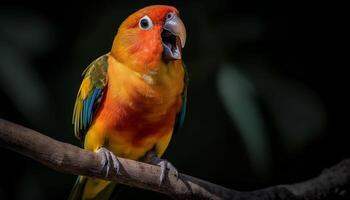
132	99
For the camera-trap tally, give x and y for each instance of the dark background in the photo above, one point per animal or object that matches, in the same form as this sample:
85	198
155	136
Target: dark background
267	99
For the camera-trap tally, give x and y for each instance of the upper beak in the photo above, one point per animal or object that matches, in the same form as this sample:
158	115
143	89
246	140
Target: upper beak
175	26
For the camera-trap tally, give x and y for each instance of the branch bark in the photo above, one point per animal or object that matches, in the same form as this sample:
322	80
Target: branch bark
67	158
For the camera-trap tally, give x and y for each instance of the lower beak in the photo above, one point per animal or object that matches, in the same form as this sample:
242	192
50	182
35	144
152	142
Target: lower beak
174	38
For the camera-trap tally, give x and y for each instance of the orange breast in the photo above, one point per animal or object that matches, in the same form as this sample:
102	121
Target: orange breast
139	111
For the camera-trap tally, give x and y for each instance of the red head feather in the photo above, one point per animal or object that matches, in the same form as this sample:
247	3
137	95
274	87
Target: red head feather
141	48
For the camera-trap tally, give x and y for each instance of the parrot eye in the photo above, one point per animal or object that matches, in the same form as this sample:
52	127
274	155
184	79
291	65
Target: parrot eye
145	23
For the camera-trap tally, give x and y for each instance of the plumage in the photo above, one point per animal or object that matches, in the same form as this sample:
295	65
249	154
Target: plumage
180	118
89	95
131	100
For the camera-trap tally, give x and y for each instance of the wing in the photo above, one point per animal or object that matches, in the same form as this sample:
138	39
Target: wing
180	118
89	95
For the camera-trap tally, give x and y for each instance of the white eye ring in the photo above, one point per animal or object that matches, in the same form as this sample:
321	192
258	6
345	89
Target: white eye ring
145	23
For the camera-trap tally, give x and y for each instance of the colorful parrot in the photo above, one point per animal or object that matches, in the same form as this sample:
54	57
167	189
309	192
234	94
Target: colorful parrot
132	99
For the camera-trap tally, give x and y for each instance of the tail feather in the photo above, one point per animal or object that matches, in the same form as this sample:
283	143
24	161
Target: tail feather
91	189
78	189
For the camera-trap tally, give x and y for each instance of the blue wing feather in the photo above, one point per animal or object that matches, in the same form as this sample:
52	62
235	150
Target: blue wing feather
89	109
89	95
183	112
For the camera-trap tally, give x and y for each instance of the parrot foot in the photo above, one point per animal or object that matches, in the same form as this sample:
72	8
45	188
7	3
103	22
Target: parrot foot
166	165
108	159
152	158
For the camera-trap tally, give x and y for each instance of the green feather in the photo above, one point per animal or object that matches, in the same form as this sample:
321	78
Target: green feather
96	74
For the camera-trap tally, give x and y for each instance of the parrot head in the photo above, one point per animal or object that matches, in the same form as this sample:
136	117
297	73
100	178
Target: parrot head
148	37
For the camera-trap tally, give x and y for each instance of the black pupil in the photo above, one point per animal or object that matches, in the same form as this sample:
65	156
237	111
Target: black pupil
144	23
169	15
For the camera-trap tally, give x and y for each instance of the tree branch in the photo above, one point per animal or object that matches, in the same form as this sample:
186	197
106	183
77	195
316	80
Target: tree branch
67	158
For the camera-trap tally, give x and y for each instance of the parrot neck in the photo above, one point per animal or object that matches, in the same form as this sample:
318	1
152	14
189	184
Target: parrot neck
167	77
155	76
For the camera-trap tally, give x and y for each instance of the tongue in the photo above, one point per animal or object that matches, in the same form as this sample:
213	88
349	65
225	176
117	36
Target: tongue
168	44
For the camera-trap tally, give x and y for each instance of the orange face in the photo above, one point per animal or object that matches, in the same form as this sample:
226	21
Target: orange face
149	36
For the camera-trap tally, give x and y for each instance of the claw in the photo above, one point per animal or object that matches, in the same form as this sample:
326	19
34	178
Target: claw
115	162
152	158
165	165
108	159
162	165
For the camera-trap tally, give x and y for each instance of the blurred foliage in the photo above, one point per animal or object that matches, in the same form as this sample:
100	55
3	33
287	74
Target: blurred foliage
260	110
25	36
238	96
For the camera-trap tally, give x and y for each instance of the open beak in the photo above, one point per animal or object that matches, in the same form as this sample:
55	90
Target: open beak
173	38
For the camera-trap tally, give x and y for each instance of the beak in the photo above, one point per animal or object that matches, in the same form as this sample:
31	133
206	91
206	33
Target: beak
175	26
173	37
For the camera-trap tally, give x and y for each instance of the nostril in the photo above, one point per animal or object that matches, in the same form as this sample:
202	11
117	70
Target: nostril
169	15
